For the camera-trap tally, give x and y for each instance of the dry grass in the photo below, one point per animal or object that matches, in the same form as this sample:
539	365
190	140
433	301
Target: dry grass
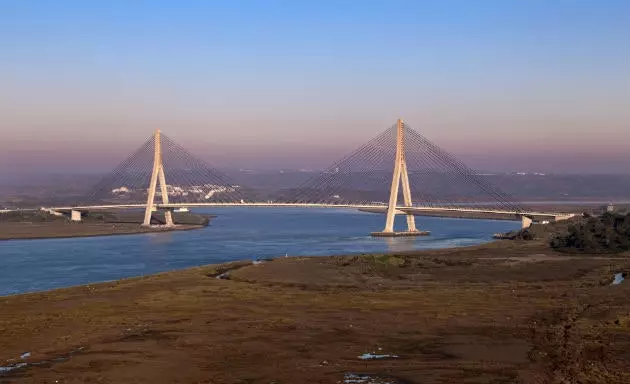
469	315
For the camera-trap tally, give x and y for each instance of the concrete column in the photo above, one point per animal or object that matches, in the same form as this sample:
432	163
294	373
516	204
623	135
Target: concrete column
393	192
168	216
411	219
400	176
526	222
75	215
157	163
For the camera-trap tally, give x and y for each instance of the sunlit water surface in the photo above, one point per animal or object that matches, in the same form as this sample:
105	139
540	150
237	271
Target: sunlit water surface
235	234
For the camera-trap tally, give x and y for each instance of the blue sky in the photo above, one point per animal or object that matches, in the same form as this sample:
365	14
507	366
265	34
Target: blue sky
503	84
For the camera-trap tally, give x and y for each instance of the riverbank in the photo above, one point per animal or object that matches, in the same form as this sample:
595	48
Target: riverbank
51	230
500	312
29	225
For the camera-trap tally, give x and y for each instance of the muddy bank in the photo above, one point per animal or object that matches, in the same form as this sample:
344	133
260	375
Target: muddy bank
42	225
508	312
31	231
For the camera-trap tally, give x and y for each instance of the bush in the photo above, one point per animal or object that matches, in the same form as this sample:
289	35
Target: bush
609	233
29	216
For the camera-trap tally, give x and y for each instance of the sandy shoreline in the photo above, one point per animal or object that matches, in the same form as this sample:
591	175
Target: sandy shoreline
501	312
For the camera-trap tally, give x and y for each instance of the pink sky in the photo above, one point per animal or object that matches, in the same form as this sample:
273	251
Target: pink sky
503	85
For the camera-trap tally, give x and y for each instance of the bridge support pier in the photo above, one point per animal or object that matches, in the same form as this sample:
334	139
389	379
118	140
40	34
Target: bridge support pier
75	215
400	176
157	175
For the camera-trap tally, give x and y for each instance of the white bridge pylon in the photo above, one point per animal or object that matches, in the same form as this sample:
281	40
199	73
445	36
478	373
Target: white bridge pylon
400	176
157	175
419	150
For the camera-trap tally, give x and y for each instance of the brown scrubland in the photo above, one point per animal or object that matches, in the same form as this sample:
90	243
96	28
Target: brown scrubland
505	312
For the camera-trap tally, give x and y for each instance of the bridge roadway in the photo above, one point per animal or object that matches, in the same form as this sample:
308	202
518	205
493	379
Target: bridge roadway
416	210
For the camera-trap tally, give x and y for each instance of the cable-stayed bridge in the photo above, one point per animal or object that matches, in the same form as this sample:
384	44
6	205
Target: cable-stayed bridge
399	172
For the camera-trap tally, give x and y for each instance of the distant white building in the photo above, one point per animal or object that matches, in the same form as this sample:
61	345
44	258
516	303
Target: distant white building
121	191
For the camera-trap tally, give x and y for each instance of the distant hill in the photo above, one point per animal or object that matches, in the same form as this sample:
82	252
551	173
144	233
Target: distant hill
66	189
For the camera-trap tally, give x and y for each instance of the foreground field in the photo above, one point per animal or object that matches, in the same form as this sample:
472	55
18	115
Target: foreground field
500	313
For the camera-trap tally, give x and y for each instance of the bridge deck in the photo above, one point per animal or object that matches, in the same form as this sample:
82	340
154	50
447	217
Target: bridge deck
371	208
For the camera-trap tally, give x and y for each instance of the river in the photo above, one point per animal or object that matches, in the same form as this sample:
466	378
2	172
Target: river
235	234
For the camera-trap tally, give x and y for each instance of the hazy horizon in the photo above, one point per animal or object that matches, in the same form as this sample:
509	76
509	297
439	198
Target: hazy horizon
531	86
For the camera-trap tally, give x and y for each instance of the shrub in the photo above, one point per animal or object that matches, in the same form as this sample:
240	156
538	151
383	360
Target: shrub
609	233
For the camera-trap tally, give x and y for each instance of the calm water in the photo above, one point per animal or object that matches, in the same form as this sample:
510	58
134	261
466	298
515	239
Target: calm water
236	234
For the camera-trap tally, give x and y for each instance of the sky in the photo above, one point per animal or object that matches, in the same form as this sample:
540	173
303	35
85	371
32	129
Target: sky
532	85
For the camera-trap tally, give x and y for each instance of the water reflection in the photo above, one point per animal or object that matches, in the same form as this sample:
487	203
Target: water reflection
161	238
401	244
